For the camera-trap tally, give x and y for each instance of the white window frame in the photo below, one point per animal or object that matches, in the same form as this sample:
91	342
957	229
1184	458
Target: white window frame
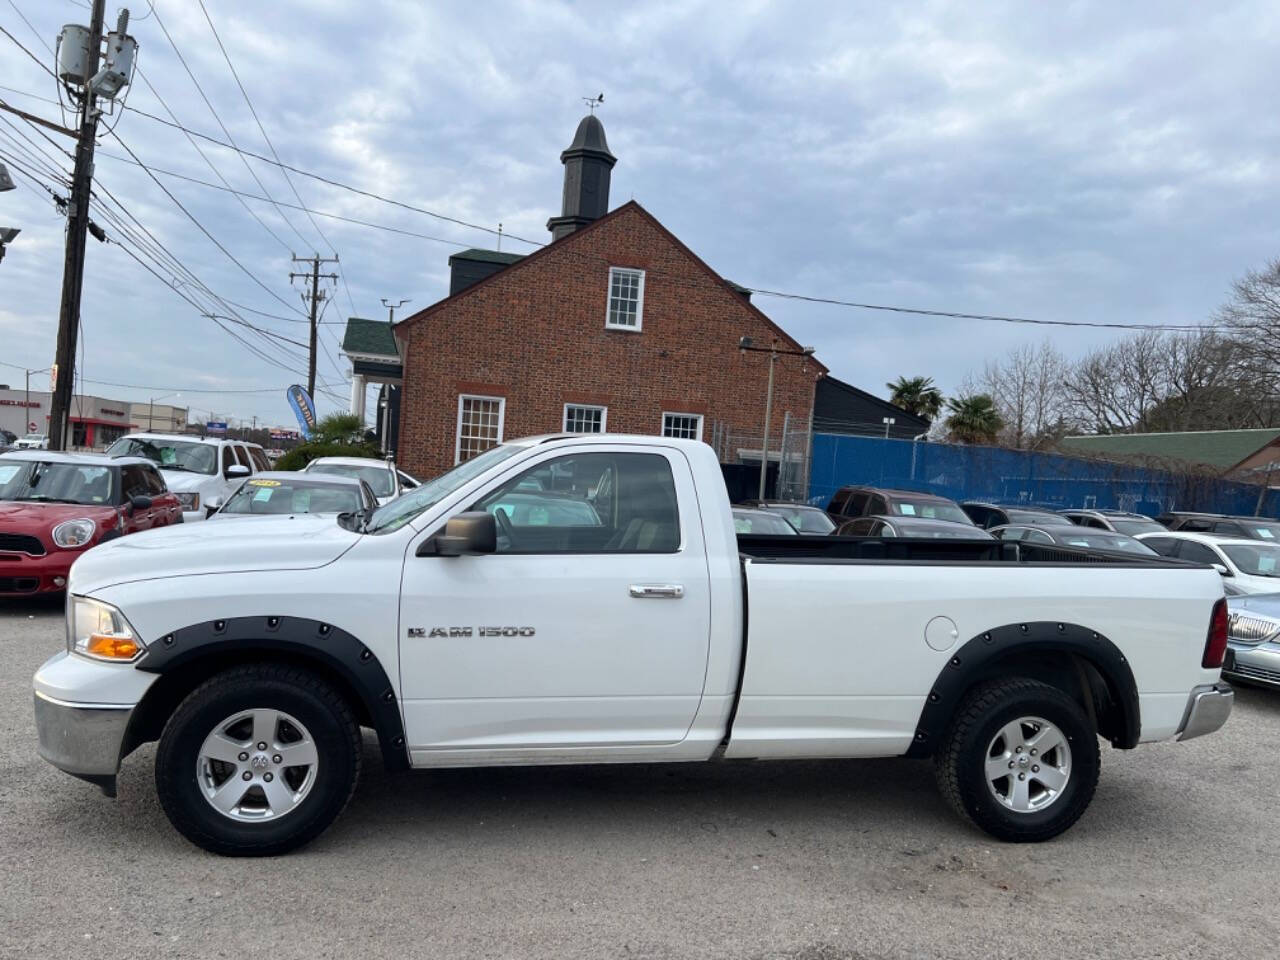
457	435
678	413
608	301
604	415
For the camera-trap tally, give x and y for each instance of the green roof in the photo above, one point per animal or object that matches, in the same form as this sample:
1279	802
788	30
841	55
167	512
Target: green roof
487	256
1220	449
372	337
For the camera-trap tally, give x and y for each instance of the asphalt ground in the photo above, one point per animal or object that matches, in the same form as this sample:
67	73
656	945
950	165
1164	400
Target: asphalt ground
1179	856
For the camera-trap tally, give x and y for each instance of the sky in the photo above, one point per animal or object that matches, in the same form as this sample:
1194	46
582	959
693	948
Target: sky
1092	162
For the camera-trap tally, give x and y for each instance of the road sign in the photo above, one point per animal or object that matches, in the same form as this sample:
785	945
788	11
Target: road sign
33	426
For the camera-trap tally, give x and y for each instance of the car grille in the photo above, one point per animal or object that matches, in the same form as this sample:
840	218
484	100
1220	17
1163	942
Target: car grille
21	543
1261	674
1245	629
19	584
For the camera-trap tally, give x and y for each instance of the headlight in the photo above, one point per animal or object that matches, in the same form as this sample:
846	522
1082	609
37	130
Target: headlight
73	533
99	630
189	501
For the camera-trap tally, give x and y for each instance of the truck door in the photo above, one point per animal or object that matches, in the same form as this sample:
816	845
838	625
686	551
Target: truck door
589	627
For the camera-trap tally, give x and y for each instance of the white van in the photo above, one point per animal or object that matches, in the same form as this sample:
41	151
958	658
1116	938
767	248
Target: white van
202	471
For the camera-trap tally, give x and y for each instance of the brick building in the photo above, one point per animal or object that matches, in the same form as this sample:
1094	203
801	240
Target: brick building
615	325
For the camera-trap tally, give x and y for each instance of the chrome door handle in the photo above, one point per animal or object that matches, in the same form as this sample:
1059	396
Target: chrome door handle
667	591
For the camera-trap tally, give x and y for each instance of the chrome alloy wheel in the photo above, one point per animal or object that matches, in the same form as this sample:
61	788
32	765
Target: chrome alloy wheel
1028	764
257	765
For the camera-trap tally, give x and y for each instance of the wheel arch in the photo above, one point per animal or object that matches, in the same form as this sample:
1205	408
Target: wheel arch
1082	662
185	658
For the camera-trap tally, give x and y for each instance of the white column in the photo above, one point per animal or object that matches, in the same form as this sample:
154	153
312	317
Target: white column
357	395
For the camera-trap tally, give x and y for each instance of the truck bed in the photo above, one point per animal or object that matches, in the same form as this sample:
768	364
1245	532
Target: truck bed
826	549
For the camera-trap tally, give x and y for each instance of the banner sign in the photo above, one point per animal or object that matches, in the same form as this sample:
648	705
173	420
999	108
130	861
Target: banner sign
303	409
216	426
285	435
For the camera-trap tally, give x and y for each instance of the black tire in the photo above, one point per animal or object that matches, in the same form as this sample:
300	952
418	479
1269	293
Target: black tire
960	764
290	690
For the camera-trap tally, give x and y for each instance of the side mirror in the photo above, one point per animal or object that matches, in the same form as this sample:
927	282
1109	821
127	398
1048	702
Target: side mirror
236	470
140	503
473	532
1222	569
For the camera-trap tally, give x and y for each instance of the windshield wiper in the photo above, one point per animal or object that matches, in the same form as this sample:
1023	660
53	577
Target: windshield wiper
42	499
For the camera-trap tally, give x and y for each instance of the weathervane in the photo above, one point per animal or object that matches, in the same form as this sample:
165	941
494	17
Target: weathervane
593	102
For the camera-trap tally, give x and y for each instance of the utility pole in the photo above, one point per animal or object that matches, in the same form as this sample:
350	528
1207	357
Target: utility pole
77	235
315	297
747	345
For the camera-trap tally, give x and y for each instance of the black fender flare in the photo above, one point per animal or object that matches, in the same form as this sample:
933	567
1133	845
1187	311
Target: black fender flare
979	658
334	651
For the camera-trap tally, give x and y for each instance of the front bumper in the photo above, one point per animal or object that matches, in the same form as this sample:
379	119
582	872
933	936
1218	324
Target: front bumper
1207	710
24	575
83	739
1253	663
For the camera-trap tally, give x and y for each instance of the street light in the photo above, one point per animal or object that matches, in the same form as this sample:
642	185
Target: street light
6	237
747	345
888	422
151	413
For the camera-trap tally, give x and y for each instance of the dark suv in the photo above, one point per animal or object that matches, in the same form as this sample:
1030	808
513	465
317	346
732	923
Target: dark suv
1221	525
851	502
988	515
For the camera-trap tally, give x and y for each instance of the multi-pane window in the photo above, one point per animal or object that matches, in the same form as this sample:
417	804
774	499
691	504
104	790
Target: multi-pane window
479	425
686	426
626	299
580	418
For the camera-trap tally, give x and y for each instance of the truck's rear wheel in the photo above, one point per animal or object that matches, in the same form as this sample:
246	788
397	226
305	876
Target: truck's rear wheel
1020	760
258	760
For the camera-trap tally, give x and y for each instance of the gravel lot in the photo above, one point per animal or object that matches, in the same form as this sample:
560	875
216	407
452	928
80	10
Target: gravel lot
1178	857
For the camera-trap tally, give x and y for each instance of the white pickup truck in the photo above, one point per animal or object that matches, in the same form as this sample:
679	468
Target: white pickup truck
584	599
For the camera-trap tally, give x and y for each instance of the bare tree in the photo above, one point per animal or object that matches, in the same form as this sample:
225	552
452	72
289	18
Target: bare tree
1028	390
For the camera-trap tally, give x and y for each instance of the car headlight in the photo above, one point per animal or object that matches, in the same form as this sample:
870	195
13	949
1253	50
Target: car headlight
96	629
189	501
74	533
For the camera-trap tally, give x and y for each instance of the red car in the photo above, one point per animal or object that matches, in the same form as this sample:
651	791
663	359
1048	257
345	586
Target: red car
55	506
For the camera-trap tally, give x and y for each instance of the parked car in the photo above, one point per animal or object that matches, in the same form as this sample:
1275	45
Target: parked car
7	438
291	492
802	516
202	471
1222	525
852	502
54	506
1120	521
1253	639
32	441
253	651
757	522
383	477
1252	566
988	515
910	527
1069	535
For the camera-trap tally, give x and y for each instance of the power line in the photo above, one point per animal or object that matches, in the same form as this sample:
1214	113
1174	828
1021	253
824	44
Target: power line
23	93
21	46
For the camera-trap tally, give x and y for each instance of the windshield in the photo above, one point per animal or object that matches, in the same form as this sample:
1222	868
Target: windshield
1262	560
34	436
169	454
379	478
401	510
759	521
931	510
1103	541
805	519
57	483
1135	527
1261	531
264	497
1039	519
943	531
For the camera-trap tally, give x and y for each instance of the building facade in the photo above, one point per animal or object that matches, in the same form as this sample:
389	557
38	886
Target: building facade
158	417
614	326
95	421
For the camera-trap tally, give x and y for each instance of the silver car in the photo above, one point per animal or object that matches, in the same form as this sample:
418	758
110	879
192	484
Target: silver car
1253	639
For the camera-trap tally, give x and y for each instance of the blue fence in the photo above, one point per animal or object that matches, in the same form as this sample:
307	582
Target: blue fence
1017	476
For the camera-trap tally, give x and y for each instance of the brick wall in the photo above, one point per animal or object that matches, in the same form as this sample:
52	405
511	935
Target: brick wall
535	334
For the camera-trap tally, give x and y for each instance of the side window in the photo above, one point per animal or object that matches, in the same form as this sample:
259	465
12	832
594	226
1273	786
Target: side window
1229	527
857	505
228	459
1165	546
882	529
1013	533
260	462
242	457
980	516
1038	536
1197	552
862	527
155	483
134	482
1095	522
406	481
1195	525
838	502
588	503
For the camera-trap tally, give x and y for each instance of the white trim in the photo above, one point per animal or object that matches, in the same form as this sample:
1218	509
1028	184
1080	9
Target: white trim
608	301
457	435
677	413
604	416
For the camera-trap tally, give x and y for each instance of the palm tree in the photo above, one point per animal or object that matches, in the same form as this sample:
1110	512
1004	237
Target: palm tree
973	419
916	395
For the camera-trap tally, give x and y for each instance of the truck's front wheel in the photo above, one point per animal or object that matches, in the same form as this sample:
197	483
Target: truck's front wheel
258	760
1020	760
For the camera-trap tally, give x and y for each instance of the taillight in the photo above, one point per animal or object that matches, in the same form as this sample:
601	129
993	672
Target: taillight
1215	647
